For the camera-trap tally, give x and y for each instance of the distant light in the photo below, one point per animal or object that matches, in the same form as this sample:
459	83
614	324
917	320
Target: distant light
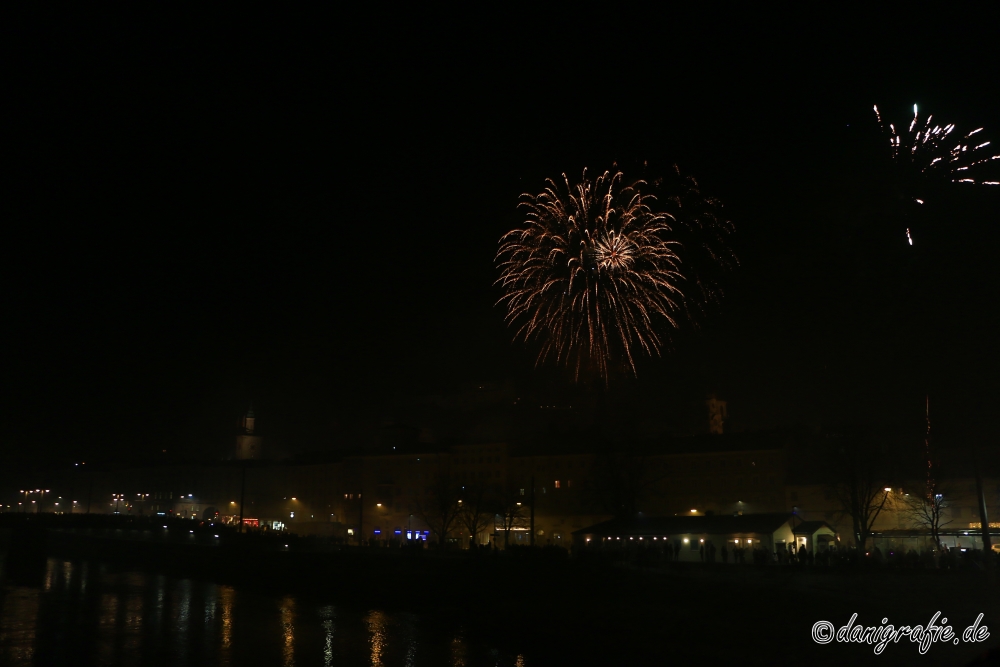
294	498
190	531
887	489
702	540
216	535
686	540
693	511
190	495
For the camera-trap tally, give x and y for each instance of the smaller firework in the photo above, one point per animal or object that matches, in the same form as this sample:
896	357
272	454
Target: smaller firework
929	151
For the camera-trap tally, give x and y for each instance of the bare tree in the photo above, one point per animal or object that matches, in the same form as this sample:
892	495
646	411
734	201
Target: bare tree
859	479
926	510
475	510
440	507
511	512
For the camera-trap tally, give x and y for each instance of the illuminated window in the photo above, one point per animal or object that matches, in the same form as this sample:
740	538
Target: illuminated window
557	484
522	492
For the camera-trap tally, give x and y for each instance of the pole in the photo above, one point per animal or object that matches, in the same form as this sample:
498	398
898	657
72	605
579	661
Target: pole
361	517
243	491
532	538
984	524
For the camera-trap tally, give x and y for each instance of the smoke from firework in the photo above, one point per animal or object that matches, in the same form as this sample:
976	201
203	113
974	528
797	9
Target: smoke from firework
596	275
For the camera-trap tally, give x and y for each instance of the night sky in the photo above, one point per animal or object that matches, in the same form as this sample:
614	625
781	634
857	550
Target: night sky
305	216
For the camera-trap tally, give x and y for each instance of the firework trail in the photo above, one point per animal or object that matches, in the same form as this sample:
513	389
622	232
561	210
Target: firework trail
926	152
595	275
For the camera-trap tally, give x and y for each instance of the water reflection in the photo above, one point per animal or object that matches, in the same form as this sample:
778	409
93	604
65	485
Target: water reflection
457	652
106	628
326	613
376	627
75	613
18	618
227	595
288	632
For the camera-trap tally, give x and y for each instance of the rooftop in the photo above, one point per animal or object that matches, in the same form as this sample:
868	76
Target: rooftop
674	525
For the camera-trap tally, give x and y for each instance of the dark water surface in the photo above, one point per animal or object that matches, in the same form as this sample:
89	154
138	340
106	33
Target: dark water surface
83	613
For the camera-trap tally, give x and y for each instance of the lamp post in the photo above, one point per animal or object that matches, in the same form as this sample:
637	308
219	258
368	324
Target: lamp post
243	492
41	498
531	540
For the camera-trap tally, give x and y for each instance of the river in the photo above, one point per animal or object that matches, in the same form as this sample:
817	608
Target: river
84	613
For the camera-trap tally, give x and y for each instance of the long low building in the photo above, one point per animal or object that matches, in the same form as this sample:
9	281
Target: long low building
694	538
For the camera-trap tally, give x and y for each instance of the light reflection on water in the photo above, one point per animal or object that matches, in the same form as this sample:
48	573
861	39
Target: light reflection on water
376	626
288	632
327	614
80	613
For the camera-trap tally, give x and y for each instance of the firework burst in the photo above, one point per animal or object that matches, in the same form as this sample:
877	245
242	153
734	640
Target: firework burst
929	151
596	275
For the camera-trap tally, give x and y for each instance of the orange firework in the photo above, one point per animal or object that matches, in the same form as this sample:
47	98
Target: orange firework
596	275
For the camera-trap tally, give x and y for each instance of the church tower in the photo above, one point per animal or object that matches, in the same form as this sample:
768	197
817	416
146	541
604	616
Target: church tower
248	445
